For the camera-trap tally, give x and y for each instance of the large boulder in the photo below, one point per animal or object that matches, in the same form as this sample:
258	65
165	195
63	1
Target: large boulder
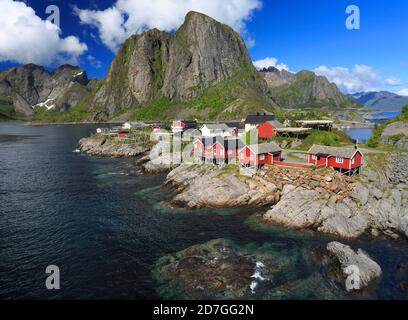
396	134
354	270
300	208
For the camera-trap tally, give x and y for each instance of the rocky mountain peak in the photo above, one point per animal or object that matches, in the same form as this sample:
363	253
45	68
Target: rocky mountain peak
30	85
179	67
303	89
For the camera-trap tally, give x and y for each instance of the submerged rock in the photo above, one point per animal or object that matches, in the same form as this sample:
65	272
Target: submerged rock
219	269
353	270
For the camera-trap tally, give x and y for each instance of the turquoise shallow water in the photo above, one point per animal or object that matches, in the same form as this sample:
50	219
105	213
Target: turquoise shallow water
105	225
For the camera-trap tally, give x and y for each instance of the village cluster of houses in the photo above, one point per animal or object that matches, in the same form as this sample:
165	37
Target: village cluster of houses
223	143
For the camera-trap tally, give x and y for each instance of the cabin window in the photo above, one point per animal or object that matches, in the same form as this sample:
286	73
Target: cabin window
242	156
222	152
339	160
262	157
314	157
353	161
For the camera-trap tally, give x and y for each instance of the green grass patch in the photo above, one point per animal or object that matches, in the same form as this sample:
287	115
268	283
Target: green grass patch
7	111
241	92
79	113
295	155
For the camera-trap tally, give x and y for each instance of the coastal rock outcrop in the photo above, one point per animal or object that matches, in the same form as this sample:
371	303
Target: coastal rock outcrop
374	205
159	159
396	134
105	147
353	270
308	209
326	201
203	185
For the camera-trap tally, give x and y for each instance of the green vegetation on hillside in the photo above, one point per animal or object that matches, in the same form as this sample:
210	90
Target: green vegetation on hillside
299	114
79	113
231	99
300	93
375	139
7	111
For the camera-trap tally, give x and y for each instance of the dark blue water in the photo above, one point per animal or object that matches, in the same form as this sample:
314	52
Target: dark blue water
388	114
104	225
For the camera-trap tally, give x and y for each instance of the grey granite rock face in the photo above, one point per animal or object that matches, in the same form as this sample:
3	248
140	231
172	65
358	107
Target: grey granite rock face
30	85
303	89
363	211
347	263
206	186
396	134
179	66
159	159
103	147
328	203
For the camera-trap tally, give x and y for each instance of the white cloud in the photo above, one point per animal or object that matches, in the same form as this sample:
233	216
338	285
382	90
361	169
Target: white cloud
270	62
26	38
393	81
359	78
129	17
250	42
94	62
403	92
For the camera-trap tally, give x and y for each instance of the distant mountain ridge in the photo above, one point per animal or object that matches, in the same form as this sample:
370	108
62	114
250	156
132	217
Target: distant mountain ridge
30	85
381	100
304	89
202	71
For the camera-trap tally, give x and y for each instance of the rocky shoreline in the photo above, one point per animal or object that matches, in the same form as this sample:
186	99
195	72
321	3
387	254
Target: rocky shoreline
220	269
101	146
324	201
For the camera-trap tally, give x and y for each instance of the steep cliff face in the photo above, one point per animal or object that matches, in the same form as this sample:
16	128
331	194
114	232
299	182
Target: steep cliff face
178	67
304	89
30	85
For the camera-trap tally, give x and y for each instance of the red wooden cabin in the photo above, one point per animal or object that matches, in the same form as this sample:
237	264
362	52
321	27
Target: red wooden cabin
122	135
344	159
260	154
182	125
268	129
216	149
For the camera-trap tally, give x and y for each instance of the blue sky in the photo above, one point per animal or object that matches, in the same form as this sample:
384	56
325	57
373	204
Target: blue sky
293	34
